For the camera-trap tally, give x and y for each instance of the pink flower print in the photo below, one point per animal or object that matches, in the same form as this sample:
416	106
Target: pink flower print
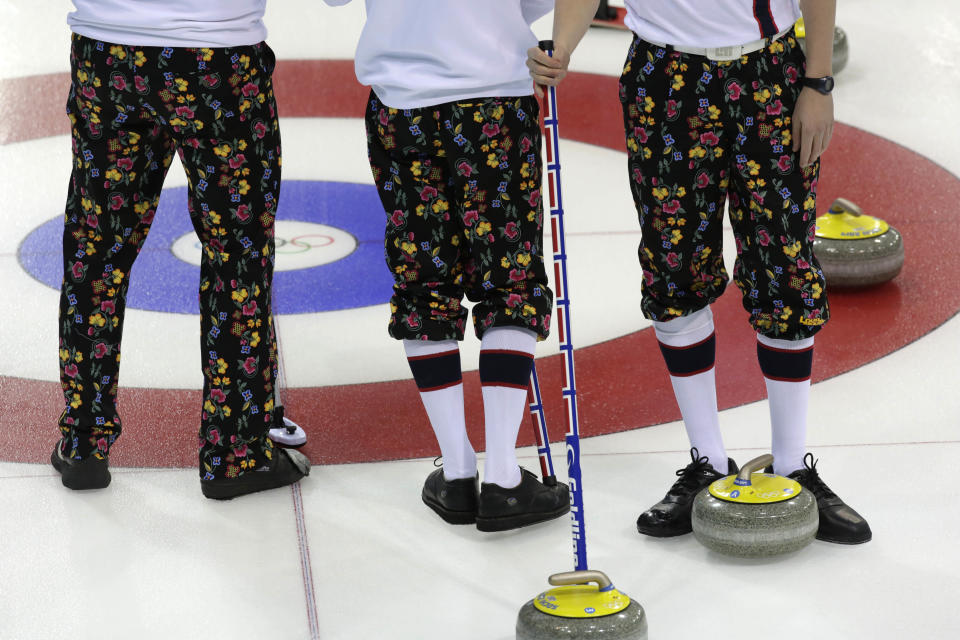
673	261
76	270
709	138
241	451
784	164
469	217
218	396
465	169
259	130
71	370
428	193
490	130
119	82
702	180
734	90
108	306
792	74
213	436
413	320
763	237
671	108
514	300
534	197
100	350
102	445
802	264
511	230
125	163
383	117
398	217
116	202
250	366
775	108
518	276
250	308
647	277
243	213
237	161
92	221
185	112
671	207
250	89
88	92
641	135
546	322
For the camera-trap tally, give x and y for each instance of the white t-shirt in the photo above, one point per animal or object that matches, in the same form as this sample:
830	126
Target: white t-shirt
171	23
417	53
709	23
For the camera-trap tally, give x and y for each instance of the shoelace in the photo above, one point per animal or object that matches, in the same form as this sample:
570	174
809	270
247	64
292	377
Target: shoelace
810	479
689	480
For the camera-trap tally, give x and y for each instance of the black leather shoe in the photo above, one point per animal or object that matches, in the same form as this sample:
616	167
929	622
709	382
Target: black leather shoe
92	473
454	500
838	522
287	467
528	503
671	516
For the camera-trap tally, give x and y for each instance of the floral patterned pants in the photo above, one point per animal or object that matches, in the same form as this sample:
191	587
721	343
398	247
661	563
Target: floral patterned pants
698	132
130	109
460	184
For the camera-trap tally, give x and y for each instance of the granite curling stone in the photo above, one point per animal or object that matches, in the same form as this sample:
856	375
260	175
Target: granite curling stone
841	46
755	515
855	250
577	609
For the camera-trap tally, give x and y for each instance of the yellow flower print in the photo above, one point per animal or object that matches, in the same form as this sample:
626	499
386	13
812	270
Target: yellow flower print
117	276
484	228
477	116
660	193
675	236
678	82
523	259
714	112
817	290
408	247
762	96
497	112
254	338
240	295
753	167
492	160
222	150
118	52
243	187
504	262
75	401
791	250
97	320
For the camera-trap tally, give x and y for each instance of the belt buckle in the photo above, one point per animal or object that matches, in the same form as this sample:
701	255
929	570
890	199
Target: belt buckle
723	53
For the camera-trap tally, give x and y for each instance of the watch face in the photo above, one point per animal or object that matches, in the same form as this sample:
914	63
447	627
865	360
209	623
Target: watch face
827	84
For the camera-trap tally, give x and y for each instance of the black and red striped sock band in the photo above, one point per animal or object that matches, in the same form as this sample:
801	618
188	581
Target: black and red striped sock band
504	368
786	365
692	359
437	370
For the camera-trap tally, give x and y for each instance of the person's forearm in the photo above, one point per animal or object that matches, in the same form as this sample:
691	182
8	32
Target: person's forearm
818	21
571	19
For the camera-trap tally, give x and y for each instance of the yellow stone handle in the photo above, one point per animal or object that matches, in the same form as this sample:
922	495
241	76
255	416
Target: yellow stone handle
752	466
580	577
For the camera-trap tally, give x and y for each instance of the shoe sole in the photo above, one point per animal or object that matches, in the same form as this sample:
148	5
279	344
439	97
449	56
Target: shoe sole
70	477
506	523
239	488
846	542
449	516
660	533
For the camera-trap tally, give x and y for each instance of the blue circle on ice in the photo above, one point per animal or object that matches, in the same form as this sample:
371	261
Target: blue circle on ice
348	216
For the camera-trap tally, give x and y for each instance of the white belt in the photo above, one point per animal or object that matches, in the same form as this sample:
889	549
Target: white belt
725	53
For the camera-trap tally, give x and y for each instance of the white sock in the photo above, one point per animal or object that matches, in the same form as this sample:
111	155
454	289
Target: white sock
445	410
788	401
504	406
696	394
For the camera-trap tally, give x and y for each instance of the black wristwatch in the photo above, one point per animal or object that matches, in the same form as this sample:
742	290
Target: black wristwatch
824	85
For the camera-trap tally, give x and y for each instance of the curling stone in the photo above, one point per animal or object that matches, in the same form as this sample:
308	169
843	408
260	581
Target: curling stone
754	515
577	608
855	250
841	48
285	431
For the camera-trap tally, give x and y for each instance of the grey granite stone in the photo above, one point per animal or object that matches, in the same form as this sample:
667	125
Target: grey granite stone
755	530
629	624
860	262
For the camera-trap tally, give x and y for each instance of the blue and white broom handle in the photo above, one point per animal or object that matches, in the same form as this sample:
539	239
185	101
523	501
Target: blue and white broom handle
551	134
539	421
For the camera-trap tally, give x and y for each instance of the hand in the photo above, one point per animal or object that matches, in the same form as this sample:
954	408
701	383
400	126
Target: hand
545	70
812	125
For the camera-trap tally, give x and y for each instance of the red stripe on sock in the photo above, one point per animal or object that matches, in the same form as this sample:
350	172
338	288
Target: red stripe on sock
688	346
504	384
443	386
434	355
